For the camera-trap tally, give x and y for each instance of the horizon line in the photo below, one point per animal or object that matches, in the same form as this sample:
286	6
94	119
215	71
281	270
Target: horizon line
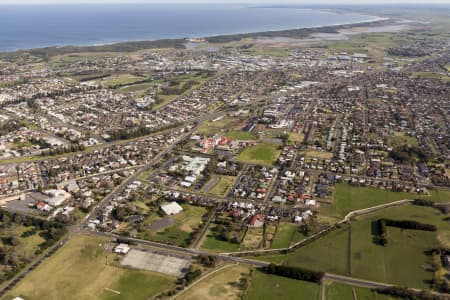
242	2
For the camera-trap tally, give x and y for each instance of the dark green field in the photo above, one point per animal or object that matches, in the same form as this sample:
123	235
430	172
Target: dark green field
402	261
348	198
270	287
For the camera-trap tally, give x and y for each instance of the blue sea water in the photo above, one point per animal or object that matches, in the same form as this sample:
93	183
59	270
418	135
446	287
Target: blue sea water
33	26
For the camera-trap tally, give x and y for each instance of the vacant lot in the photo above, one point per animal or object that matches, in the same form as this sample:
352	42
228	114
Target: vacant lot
120	80
296	137
263	154
269	234
267	287
240	135
211	243
287	234
83	269
222	187
178	233
317	154
253	238
210	128
400	139
220	285
337	291
176	86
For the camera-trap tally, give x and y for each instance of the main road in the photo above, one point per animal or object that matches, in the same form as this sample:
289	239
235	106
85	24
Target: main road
171	249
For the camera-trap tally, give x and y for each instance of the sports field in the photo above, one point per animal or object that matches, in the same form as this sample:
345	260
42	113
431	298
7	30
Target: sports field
83	269
263	154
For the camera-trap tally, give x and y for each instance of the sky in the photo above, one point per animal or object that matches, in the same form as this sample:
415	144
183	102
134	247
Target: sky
229	1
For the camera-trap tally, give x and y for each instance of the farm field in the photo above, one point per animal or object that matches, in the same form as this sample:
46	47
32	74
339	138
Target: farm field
220	285
65	275
431	75
442	196
348	198
263	153
402	261
271	287
328	253
338	291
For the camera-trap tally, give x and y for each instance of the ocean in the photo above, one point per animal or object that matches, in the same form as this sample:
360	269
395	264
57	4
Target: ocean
34	26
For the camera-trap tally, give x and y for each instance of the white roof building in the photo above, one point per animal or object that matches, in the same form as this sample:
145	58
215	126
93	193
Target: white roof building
122	249
185	184
171	208
56	197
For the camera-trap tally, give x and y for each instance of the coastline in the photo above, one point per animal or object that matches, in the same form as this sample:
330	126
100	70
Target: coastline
139	44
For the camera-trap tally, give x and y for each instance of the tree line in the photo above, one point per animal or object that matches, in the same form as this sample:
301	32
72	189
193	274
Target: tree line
409	224
63	150
406	52
294	273
408	294
129	133
380	228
